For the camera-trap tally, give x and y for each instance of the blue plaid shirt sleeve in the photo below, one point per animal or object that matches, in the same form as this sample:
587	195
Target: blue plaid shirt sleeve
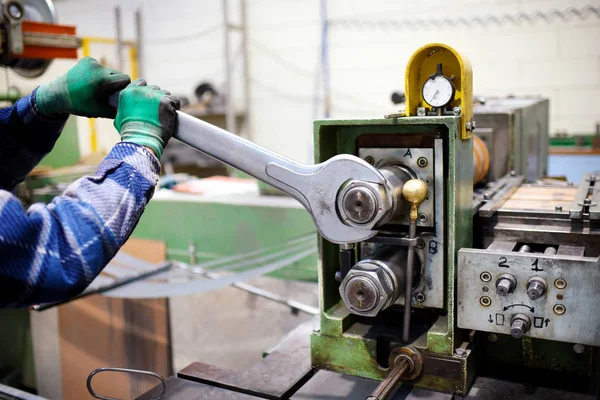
25	138
49	253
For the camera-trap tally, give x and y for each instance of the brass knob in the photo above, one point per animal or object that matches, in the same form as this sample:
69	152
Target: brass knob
415	192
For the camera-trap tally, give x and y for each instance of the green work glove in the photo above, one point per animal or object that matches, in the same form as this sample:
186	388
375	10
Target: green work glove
147	116
84	91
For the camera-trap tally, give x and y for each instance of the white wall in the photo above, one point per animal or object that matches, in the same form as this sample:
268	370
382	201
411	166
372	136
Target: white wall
560	60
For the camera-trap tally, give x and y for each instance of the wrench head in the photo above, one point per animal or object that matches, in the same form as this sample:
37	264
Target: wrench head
318	189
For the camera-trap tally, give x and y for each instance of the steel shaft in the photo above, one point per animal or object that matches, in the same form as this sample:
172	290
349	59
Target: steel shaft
387	386
410	265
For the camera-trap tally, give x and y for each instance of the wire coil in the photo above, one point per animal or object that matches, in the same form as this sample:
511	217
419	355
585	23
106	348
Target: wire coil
127	371
518	19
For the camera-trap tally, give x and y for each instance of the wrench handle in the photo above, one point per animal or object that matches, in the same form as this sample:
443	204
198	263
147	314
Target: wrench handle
233	150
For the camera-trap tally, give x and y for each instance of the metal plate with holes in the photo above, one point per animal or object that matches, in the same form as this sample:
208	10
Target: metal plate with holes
564	313
419	161
429	292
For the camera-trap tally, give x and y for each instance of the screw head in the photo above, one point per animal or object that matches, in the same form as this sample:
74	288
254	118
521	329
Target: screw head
370	160
422	162
460	352
420	244
578	348
420	297
456	110
423	218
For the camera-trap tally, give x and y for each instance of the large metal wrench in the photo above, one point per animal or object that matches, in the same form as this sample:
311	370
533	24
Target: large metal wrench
316	186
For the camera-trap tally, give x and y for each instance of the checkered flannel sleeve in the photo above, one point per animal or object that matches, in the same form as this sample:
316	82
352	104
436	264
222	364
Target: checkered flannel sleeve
25	138
52	252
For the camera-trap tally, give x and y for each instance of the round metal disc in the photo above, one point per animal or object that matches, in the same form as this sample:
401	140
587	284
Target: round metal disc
362	293
360	205
38	11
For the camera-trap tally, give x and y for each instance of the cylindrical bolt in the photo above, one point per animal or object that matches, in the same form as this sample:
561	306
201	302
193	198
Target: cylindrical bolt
519	325
536	287
578	348
360	205
525	249
460	352
505	284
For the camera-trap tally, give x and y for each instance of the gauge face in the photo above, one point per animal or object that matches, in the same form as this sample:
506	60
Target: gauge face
438	91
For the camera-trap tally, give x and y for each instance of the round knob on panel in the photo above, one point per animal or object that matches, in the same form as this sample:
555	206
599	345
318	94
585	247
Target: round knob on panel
536	287
415	192
505	284
519	325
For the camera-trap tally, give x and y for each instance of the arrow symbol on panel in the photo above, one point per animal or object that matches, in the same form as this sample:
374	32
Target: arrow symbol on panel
490	320
519	305
547	321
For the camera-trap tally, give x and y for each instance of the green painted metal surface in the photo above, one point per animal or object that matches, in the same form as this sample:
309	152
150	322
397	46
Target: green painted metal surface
340	345
221	228
66	149
16	349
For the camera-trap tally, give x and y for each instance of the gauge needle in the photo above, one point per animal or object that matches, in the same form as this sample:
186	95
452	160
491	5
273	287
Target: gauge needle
435	95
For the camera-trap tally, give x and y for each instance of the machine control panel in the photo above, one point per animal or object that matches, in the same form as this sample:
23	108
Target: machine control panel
546	296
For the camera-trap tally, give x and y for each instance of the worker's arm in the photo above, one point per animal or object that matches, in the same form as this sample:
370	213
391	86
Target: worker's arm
25	138
49	253
29	129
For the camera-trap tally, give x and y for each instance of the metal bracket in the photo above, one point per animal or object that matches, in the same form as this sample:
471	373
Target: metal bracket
14	12
587	200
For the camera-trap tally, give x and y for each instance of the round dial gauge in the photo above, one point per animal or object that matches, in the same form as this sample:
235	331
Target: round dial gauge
438	91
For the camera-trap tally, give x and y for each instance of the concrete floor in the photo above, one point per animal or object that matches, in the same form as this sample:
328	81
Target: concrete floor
232	328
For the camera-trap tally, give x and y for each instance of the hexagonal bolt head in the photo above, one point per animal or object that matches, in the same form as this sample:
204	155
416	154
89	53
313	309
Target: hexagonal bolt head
536	287
367	290
519	325
505	284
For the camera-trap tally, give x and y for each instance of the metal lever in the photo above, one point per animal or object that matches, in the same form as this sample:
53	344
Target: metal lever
415	192
316	187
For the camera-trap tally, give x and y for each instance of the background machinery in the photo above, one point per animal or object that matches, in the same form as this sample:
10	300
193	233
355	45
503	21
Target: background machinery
446	257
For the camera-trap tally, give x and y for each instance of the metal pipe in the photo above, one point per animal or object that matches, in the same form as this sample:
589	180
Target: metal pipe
387	386
246	61
410	265
229	113
139	42
120	65
525	249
